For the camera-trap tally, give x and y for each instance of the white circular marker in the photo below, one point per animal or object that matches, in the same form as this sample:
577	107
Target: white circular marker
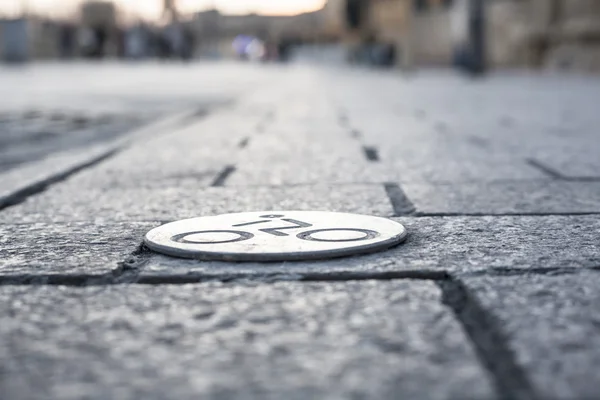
275	236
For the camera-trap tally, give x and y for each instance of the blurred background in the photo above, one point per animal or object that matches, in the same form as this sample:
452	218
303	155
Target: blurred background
75	72
470	34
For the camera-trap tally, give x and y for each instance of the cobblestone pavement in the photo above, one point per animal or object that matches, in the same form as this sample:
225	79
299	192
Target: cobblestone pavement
493	296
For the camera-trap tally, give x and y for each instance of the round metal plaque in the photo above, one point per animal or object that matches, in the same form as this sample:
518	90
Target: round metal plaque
275	236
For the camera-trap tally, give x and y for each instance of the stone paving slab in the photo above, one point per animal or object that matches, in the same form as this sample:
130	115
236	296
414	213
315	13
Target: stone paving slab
312	169
434	245
213	341
551	324
73	249
186	198
304	143
198	148
17	183
421	152
196	143
116	179
508	197
454	168
446	128
299	155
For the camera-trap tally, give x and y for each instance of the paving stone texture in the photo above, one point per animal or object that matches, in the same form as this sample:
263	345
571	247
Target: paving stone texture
284	340
492	296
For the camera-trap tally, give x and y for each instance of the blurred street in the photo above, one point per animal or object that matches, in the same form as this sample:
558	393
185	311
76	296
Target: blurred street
493	296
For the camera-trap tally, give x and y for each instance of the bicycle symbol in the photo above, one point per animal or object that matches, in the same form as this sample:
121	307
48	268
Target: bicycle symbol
330	235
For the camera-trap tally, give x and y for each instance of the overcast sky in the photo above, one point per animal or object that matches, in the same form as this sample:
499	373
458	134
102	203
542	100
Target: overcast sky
152	8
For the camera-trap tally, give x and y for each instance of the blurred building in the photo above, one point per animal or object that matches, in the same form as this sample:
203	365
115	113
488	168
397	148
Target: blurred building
215	32
516	33
98	35
14	45
334	19
28	38
99	14
561	34
34	38
566	34
44	38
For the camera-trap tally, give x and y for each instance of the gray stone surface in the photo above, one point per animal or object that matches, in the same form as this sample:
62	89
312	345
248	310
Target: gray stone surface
552	324
192	148
214	341
304	143
441	128
77	248
307	138
299	155
574	164
16	182
455	160
508	197
32	135
451	169
186	198
456	245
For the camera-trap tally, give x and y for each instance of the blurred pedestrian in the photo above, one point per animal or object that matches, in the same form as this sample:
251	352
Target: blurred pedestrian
67	39
135	43
189	44
100	42
87	42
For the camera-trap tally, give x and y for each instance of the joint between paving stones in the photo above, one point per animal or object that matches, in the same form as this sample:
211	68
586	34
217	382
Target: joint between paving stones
583	179
489	342
132	276
554	174
343	119
515	214
222	177
355	133
379	183
508	272
72	280
371	153
33	189
193	117
202	112
244	143
267	119
269	116
137	259
400	202
129	272
551	172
